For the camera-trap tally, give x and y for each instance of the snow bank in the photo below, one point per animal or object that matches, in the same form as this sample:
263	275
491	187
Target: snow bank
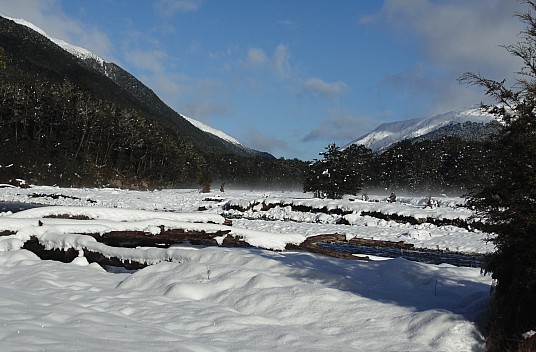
220	299
98	213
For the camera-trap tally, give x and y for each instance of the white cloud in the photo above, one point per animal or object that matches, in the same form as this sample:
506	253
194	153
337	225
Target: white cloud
206	99
319	88
262	68
260	141
256	57
204	110
455	37
168	8
167	86
278	63
281	60
460	32
340	127
149	60
286	23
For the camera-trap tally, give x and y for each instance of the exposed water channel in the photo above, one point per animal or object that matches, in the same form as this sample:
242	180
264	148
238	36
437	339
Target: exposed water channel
16	207
419	255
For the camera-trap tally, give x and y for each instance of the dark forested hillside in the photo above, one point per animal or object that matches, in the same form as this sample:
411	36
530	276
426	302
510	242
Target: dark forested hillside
64	121
447	164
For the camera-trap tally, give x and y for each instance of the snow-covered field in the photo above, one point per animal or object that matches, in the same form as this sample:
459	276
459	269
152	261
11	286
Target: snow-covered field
235	299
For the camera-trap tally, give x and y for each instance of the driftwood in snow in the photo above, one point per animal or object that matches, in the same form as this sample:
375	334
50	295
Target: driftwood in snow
133	239
166	238
65	256
68	255
310	245
379	243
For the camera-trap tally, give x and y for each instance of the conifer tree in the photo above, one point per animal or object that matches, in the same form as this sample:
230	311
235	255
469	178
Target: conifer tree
508	201
337	174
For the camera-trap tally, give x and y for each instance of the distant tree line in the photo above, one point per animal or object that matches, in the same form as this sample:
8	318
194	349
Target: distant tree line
447	164
58	133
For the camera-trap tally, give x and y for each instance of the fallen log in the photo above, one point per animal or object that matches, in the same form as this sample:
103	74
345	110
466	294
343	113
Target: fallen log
338	238
330	253
69	254
310	245
380	243
166	238
133	239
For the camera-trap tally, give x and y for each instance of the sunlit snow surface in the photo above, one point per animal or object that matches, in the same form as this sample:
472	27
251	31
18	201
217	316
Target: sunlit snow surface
229	299
211	130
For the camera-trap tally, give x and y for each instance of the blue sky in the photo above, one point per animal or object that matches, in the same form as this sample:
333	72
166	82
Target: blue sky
292	76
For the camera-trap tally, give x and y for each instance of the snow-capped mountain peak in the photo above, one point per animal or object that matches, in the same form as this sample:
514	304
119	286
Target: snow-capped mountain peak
73	49
211	130
392	132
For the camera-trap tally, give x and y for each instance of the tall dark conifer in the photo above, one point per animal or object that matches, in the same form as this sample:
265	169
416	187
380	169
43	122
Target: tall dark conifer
340	172
508	201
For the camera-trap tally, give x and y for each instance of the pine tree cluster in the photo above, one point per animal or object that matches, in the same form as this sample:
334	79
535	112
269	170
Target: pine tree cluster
445	165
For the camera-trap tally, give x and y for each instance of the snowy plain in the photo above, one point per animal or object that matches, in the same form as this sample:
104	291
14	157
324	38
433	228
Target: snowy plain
234	299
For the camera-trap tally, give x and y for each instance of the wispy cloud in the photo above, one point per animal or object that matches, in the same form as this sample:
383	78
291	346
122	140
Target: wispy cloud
168	8
264	70
281	62
169	87
256	57
460	31
206	100
204	110
278	63
149	60
455	36
319	88
340	127
257	140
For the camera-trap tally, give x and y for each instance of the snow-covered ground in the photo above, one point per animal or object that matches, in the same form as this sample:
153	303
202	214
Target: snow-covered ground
233	299
286	221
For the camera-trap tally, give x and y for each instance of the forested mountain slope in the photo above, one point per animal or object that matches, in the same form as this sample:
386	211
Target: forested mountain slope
80	121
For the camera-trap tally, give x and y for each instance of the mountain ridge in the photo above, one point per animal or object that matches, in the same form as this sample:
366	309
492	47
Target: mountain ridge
388	134
71	121
140	91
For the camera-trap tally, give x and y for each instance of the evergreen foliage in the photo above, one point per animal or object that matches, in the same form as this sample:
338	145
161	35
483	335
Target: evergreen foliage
2	59
74	122
508	201
444	165
448	164
338	173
